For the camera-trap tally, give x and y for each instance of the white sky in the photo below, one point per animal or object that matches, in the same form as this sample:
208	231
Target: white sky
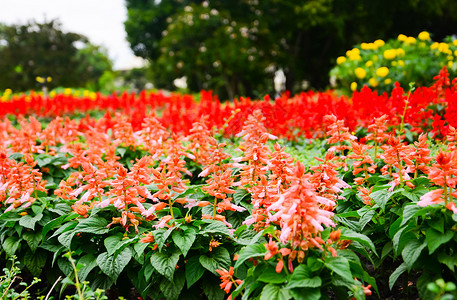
100	20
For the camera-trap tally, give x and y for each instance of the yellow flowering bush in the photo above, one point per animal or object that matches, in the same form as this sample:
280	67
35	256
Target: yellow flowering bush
404	59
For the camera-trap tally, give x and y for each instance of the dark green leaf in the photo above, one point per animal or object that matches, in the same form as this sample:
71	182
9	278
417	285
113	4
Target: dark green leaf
412	251
33	239
274	292
211	288
29	222
35	261
340	266
250	252
348	234
393	278
10	245
270	275
184	238
301	277
94	225
172	289
215	227
161	236
306	294
56	222
435	238
112	266
194	271
239	195
66	237
165	264
88	262
217	259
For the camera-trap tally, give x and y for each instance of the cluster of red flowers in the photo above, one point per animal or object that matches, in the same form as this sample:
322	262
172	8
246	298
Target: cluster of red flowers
427	109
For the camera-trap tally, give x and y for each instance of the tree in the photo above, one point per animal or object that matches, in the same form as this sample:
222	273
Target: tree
36	49
303	38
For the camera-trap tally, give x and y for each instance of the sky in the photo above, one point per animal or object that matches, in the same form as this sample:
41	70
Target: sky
100	20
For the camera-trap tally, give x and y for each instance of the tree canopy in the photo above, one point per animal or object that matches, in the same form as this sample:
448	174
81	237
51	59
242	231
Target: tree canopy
43	49
234	47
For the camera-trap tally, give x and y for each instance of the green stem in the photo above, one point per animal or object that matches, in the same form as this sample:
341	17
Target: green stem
215	207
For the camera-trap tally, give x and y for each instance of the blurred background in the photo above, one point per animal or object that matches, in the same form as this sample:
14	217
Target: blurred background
235	48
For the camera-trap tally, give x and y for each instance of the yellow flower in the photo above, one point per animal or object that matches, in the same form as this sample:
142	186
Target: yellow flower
382	71
365	46
379	43
394	63
360	73
450	64
410	40
369	63
341	60
455	53
450	57
401	37
401	63
353	86
454	42
387	81
8	91
400	52
52	94
390	54
434	46
424	36
67	91
372	82
443	47
39	79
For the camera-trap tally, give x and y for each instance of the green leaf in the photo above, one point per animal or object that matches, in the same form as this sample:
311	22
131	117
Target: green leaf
239	195
393	278
60	209
211	288
165	264
194	271
340	266
66	238
301	277
113	266
88	262
184	238
409	212
161	236
172	289
249	237
112	242
435	238
366	218
140	247
93	225
10	245
56	222
28	221
412	251
449	260
381	197
249	252
270	275
274	292
306	294
32	238
35	261
215	227
121	151
349	234
218	258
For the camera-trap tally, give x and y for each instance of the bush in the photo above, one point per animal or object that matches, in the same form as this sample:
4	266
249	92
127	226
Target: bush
406	59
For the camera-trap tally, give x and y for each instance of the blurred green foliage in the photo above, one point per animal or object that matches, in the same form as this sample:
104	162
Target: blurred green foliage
42	49
235	47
